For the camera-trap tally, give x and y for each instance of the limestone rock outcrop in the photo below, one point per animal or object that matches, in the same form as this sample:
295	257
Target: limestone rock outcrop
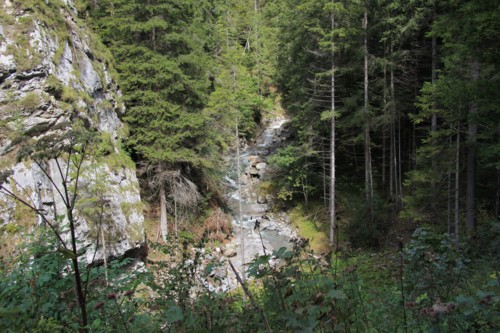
54	73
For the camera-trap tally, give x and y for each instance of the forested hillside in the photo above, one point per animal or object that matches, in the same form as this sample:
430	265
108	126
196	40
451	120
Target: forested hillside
389	170
410	86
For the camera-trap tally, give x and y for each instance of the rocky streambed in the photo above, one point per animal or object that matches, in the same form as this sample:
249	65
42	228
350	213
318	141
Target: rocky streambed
257	231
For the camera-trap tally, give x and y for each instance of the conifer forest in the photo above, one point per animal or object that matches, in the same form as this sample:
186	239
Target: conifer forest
249	166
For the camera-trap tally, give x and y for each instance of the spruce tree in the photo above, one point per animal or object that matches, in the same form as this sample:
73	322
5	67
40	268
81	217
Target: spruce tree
161	55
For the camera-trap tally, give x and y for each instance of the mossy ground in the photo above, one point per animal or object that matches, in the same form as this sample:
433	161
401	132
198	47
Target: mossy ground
312	226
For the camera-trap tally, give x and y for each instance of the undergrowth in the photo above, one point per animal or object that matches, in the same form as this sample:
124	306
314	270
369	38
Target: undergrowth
432	284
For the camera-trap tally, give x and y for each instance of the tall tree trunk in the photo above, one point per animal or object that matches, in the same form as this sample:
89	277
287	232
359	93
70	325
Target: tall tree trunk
399	163
105	257
332	140
497	199
384	156
433	81
82	302
433	122
457	185
163	210
325	175
449	194
472	156
367	144
384	132
394	168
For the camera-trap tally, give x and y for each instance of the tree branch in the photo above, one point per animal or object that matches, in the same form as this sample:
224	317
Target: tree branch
36	211
51	180
250	296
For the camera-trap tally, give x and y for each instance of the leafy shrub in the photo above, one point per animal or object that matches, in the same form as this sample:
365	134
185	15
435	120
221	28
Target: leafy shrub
299	293
34	295
435	265
448	291
37	295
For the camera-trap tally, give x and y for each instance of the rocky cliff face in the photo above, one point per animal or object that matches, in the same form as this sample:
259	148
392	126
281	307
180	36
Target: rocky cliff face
54	74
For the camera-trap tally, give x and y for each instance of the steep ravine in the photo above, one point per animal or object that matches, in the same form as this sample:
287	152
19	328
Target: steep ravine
260	230
53	74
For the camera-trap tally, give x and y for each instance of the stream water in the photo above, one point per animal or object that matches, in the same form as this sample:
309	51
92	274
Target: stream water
261	230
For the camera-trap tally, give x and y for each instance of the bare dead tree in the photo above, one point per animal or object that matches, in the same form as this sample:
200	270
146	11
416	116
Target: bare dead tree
184	193
332	140
169	182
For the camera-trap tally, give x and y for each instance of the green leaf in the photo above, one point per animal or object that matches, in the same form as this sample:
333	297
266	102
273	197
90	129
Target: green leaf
421	298
97	323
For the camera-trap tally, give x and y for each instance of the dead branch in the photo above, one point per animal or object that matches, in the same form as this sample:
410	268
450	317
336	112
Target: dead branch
250	296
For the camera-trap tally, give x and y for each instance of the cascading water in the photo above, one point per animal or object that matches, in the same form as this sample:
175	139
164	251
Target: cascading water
263	232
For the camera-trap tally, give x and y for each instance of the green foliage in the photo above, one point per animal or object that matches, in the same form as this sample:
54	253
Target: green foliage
31	297
184	303
163	78
191	70
73	142
54	86
465	29
478	311
12	228
435	264
451	286
68	95
37	295
296	291
293	162
111	152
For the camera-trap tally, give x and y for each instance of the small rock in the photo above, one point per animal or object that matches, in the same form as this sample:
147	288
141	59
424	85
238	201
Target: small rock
260	166
253	171
231	253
